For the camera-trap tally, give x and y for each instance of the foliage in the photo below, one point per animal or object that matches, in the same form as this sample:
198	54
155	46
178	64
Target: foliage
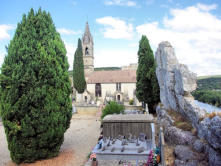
112	108
208	96
209	83
179	121
78	69
35	90
106	68
147	88
208	90
131	101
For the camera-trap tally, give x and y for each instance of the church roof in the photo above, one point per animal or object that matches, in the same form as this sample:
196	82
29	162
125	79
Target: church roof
112	76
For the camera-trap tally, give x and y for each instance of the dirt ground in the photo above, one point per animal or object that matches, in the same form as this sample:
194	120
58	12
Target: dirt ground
79	140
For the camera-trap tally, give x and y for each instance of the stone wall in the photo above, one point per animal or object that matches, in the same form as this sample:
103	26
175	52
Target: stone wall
89	110
176	84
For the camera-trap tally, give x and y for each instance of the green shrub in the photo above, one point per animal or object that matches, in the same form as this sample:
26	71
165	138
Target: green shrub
35	90
131	101
112	108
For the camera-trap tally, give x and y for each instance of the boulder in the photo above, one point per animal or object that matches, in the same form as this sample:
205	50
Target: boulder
177	136
198	146
189	163
183	153
214	157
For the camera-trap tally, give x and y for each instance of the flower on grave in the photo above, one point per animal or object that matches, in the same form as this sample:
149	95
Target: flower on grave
93	157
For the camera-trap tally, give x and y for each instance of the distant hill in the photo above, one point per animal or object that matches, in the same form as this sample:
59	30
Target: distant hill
98	69
208	90
106	68
209	82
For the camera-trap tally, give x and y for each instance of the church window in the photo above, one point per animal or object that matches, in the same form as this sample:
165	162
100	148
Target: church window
85	98
118	86
118	97
86	51
98	90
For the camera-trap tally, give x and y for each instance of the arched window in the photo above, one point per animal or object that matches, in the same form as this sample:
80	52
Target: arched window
86	51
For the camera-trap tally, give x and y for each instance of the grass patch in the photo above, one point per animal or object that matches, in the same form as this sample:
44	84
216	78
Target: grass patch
179	121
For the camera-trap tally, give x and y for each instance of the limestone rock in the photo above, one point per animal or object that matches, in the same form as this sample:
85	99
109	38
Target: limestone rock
198	146
178	137
214	158
176	83
174	79
183	153
189	163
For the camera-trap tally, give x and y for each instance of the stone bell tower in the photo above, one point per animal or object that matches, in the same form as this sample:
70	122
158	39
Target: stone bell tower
88	51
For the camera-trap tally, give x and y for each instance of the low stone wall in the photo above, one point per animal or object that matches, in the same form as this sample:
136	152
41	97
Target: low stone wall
92	110
132	107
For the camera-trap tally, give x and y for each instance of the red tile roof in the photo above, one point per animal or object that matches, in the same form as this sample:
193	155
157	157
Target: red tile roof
113	76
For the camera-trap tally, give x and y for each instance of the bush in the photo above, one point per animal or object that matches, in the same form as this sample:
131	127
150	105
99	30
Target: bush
112	108
131	101
35	90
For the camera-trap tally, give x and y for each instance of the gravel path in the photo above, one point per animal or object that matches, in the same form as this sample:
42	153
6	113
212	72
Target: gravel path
80	138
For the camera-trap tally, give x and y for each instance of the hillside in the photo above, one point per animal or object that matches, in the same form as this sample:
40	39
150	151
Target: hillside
209	82
208	90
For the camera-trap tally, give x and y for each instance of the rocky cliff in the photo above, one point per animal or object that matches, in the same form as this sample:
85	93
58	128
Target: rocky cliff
176	83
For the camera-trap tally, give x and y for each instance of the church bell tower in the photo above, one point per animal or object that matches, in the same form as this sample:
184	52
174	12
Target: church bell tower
88	51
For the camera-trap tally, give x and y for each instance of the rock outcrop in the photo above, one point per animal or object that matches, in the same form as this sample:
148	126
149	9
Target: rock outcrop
176	84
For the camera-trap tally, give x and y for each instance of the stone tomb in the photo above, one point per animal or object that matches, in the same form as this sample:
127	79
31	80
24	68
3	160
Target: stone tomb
126	137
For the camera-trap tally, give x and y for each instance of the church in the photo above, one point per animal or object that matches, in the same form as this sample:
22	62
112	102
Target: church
107	85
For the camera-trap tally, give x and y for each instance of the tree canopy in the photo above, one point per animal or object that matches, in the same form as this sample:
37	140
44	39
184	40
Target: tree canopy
147	88
35	89
78	69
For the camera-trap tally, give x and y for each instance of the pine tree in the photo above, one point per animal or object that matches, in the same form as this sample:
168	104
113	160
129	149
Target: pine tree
78	69
35	90
147	88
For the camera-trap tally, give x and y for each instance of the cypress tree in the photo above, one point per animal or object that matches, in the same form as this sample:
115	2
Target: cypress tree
147	88
35	90
78	69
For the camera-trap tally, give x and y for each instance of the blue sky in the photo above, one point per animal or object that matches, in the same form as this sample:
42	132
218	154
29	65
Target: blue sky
192	27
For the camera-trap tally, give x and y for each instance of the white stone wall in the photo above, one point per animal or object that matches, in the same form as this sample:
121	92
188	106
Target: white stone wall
111	87
129	88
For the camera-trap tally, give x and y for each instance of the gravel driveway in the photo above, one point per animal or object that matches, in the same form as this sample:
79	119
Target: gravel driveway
80	138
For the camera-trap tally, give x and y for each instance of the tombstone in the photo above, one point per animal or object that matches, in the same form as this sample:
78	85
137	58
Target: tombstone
122	149
140	149
146	109
103	148
137	143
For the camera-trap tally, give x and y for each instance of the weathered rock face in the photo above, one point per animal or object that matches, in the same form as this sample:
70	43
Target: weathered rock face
176	83
174	79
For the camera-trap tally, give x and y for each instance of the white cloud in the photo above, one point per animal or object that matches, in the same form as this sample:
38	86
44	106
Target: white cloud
128	3
206	7
65	31
116	28
4	31
194	33
116	58
70	53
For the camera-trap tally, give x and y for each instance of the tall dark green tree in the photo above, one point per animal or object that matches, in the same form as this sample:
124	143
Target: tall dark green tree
78	69
147	88
35	90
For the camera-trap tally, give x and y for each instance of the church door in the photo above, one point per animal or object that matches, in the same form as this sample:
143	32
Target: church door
98	90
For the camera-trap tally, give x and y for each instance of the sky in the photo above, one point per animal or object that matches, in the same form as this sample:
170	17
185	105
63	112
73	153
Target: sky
193	27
